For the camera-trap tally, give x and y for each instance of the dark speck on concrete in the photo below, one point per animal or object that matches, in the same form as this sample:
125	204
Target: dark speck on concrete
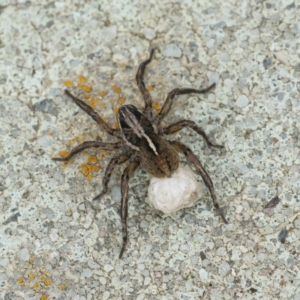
46	106
267	62
12	218
282	235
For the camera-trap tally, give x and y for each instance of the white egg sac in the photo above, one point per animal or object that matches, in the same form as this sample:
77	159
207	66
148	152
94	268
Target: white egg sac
173	193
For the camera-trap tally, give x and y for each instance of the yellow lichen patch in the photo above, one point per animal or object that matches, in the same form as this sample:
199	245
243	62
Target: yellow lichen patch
31	258
92	159
121	100
92	102
48	282
122	65
31	276
150	88
50	133
116	88
86	96
47	273
94	168
43	277
36	286
105	153
20	280
79	138
64	153
156	106
116	125
64	164
44	297
85	169
84	87
116	110
102	93
82	79
90	176
61	287
68	83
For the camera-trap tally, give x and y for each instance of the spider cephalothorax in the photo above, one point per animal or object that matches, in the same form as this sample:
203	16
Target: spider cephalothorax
141	138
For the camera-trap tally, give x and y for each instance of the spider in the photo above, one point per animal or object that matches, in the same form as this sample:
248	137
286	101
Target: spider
141	139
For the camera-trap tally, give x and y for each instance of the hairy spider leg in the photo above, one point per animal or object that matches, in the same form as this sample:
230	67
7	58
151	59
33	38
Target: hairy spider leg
124	204
191	124
195	161
115	161
141	85
89	144
92	114
169	101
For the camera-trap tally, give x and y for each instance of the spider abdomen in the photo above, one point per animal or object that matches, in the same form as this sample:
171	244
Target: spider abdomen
159	163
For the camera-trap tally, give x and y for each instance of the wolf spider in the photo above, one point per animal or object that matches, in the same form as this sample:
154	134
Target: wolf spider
140	137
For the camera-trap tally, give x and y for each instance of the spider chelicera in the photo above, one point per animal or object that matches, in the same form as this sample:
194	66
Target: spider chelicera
141	139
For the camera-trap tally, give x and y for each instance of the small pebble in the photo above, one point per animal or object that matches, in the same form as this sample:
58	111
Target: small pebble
24	254
242	101
172	50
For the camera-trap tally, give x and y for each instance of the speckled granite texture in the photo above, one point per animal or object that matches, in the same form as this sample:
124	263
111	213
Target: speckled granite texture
54	245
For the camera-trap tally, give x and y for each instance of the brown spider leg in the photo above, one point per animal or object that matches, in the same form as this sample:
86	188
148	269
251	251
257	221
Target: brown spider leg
86	145
124	204
141	85
168	103
92	113
191	124
115	161
195	161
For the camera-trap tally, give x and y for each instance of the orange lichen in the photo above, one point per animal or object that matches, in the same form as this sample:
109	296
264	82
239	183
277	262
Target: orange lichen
64	164
90	176
48	282
94	168
121	100
92	159
116	125
116	110
102	93
92	102
116	88
44	297
43	277
105	153
84	87
36	286
156	106
150	88
82	79
64	153
20	280
31	276
87	169
68	83
86	96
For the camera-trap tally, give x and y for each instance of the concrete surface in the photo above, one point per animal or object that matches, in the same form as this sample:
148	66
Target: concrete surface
54	245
